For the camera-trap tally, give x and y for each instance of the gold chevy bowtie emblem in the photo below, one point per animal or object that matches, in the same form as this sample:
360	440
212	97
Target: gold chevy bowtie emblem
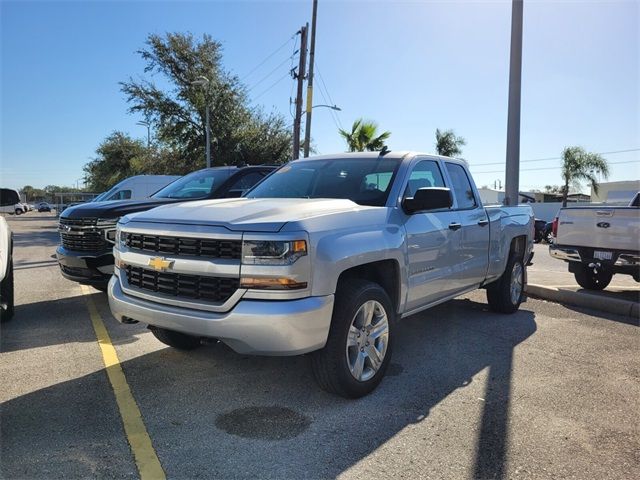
160	263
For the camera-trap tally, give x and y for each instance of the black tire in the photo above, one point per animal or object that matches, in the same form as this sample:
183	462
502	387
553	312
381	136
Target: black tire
174	339
18	211
329	364
499	292
588	279
101	287
7	294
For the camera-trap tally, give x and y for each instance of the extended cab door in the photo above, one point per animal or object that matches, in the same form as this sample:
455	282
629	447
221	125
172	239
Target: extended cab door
474	229
433	240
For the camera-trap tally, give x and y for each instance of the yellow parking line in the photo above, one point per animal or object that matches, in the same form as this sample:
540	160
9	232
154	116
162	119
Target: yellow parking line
145	456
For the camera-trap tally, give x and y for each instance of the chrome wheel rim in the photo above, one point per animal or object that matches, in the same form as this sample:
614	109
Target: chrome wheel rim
367	340
516	283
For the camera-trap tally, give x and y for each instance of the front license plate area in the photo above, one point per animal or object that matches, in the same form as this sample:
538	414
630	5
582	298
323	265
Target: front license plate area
602	255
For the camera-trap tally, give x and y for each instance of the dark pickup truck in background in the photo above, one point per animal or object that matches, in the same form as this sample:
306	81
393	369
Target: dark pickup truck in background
87	231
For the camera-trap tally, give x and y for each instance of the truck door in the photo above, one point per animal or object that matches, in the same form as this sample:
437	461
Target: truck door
433	240
474	229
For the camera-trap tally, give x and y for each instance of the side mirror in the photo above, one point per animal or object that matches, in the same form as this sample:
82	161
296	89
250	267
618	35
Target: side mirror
8	197
428	198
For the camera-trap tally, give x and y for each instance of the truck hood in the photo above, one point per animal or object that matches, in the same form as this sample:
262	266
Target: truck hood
246	214
114	209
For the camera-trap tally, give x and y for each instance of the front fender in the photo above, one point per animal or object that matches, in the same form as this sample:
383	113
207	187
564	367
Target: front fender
341	250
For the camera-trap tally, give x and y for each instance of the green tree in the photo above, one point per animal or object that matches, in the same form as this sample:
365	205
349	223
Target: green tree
238	133
364	136
448	144
579	166
118	156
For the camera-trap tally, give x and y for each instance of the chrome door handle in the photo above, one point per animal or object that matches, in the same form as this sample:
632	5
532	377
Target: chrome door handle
455	226
482	223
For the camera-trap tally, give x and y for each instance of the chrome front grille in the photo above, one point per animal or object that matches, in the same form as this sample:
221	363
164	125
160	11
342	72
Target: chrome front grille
187	246
213	289
82	234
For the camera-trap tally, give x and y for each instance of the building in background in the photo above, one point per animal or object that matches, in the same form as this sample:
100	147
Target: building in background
616	192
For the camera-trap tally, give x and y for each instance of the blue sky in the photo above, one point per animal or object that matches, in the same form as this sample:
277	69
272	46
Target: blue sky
411	66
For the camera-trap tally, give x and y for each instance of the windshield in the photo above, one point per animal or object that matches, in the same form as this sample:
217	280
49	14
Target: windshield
200	184
105	195
365	181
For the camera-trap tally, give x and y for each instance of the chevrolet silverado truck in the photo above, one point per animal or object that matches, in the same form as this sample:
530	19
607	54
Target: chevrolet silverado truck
87	231
322	256
598	242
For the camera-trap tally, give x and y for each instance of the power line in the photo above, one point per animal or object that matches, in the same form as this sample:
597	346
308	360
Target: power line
271	72
271	86
269	57
334	114
558	158
547	168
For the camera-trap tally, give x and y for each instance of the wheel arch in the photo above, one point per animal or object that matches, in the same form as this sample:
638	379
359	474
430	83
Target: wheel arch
385	273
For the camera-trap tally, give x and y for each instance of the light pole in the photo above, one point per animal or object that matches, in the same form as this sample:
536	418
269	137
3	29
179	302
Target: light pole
512	174
204	82
312	53
144	123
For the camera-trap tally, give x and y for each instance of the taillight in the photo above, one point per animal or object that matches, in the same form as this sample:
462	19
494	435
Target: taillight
554	227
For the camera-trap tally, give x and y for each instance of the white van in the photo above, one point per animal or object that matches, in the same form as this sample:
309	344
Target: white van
7	199
137	187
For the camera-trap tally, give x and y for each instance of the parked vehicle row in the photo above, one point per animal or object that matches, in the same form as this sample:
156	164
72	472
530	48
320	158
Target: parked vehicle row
320	257
599	242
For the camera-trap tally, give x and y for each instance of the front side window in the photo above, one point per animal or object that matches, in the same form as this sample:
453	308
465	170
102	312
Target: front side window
462	189
425	174
200	184
365	181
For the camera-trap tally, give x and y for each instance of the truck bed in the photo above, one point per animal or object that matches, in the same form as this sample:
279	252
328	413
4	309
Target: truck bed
612	228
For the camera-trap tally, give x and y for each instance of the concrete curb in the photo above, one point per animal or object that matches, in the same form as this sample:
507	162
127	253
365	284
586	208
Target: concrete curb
584	299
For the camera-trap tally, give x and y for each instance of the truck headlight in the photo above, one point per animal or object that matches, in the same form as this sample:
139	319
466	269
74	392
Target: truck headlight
270	252
108	228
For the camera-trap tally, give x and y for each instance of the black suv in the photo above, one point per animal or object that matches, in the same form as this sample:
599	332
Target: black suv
87	231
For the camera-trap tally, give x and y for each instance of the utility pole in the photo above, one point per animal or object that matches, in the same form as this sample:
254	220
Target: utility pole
312	52
300	77
512	176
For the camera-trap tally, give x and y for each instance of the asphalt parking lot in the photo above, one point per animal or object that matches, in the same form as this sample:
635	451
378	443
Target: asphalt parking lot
549	392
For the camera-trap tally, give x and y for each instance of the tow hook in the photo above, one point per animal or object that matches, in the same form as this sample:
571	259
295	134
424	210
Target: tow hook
595	266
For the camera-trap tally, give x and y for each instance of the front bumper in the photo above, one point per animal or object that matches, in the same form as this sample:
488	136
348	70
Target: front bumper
260	327
86	268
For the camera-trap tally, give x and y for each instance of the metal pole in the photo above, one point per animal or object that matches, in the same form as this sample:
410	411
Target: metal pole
512	177
207	134
301	73
312	52
148	135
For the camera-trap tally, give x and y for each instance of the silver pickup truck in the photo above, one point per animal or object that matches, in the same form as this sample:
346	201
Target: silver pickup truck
598	242
322	256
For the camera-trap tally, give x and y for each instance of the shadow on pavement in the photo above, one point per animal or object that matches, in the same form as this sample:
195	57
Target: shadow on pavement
52	322
214	413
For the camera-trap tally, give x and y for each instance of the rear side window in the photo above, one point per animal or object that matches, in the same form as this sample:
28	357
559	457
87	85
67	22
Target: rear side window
425	174
462	189
245	182
121	195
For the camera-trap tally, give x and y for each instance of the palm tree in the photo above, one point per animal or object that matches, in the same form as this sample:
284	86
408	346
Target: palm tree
364	136
448	144
578	165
